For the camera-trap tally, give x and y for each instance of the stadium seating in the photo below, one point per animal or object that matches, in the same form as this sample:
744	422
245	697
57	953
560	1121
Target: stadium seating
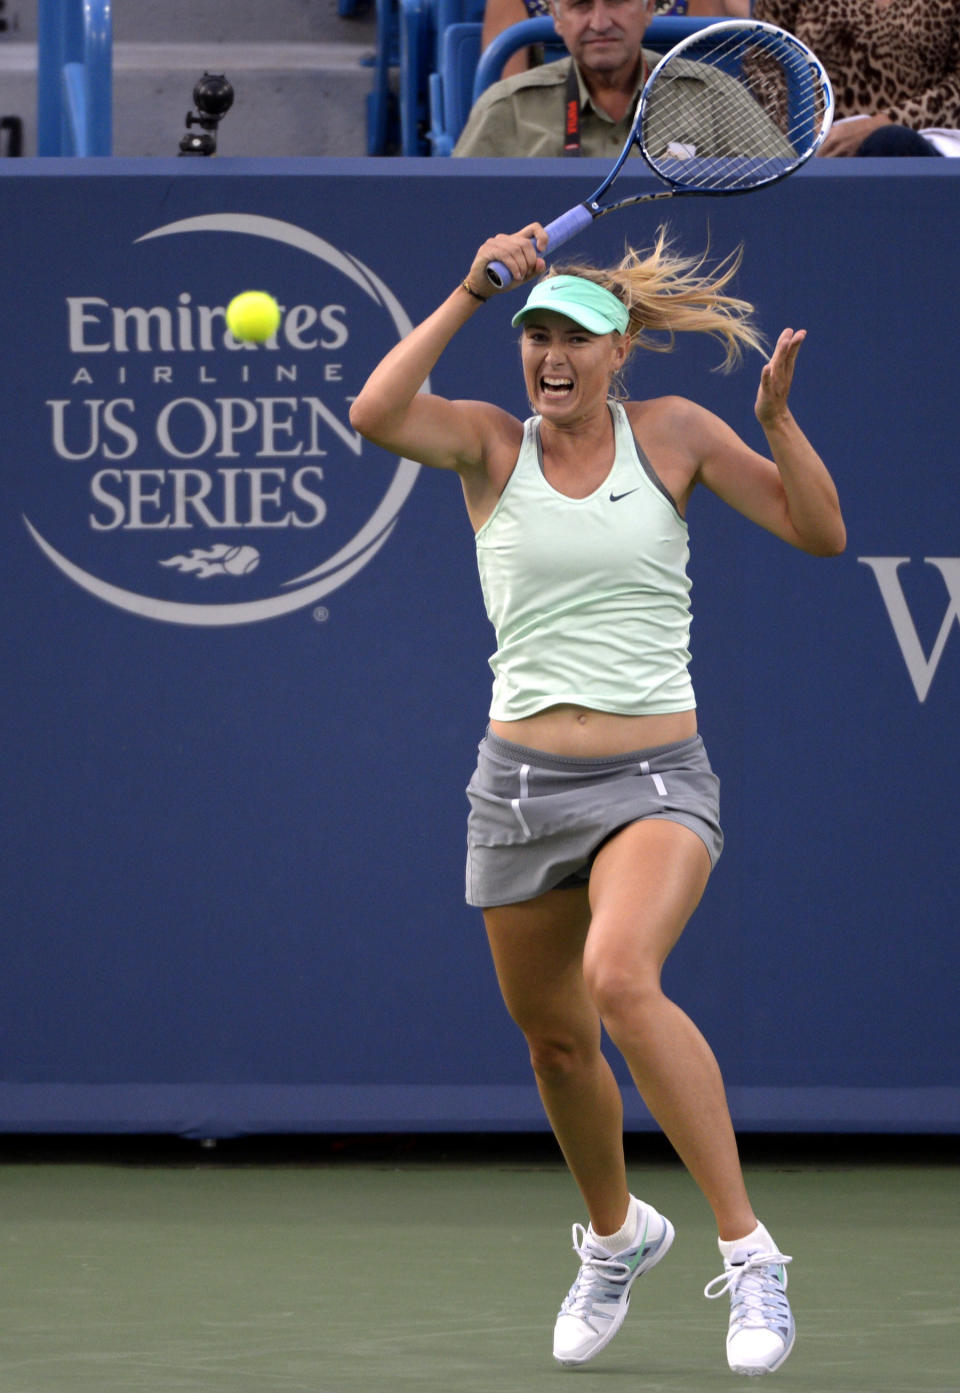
382	119
422	25
300	71
451	86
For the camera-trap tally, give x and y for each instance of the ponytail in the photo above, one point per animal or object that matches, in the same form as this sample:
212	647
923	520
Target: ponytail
666	295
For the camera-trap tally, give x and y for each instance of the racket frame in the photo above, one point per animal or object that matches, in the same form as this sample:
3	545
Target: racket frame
575	219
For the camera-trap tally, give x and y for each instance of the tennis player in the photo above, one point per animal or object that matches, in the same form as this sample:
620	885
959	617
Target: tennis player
594	818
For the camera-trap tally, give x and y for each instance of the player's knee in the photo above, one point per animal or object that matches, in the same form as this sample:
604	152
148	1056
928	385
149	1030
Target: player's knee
557	1056
621	992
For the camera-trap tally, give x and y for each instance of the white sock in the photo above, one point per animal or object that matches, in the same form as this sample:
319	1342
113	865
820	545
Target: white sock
625	1236
739	1249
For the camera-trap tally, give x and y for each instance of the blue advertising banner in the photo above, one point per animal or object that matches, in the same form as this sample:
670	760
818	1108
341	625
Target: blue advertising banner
244	656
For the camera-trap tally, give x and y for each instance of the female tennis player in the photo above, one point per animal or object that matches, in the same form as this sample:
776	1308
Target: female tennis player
594	819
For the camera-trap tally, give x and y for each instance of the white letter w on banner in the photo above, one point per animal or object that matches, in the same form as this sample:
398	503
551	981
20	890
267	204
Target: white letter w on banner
885	569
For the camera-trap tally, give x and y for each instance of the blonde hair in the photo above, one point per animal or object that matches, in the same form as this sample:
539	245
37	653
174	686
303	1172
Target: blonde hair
666	294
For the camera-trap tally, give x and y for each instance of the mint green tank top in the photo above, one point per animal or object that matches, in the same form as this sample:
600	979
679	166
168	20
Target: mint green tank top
589	597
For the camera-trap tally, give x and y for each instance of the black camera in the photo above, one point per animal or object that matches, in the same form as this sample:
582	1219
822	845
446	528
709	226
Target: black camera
213	98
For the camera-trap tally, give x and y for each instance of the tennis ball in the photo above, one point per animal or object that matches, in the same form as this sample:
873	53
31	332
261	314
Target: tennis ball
253	316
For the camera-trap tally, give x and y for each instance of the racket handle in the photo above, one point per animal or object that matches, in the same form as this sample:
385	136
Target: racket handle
568	224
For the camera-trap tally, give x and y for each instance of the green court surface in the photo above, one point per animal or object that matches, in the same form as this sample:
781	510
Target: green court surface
356	1266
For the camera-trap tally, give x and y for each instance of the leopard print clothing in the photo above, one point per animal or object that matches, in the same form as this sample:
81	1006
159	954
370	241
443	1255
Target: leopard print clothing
896	57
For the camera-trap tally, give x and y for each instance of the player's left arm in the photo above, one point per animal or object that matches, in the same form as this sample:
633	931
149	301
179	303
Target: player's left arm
792	494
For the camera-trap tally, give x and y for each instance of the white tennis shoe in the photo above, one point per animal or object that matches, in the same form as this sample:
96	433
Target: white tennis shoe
762	1331
596	1305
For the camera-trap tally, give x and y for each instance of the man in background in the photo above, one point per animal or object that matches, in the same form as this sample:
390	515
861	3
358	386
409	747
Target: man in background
585	104
597	87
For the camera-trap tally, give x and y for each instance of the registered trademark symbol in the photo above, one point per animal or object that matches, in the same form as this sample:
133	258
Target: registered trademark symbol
321	614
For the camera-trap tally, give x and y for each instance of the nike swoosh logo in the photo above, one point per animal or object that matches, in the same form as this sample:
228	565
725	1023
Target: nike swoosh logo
615	497
640	1254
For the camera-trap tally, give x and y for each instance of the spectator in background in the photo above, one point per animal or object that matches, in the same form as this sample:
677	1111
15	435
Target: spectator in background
501	14
894	65
584	104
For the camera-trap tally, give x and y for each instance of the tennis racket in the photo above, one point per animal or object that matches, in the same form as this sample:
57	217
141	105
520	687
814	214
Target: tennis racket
733	107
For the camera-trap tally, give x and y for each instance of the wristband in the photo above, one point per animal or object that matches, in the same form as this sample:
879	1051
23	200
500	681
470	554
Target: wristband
464	285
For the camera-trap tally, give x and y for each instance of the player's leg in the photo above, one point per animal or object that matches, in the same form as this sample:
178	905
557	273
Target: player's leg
537	949
646	882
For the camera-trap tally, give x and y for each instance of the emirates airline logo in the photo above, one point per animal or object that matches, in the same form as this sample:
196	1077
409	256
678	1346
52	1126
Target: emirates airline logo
197	480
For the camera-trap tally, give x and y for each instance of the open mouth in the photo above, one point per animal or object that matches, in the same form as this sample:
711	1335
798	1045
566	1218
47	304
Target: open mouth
557	387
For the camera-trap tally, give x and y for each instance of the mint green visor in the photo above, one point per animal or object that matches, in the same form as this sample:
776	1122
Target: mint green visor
586	303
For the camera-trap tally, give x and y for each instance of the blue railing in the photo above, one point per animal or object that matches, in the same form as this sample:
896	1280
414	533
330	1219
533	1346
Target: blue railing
74	77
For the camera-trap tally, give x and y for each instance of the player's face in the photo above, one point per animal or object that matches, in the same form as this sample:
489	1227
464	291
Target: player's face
568	370
604	36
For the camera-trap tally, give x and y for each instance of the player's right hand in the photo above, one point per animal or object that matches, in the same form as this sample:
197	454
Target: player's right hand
521	253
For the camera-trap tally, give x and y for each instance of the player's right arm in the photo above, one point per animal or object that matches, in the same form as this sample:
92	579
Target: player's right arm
393	412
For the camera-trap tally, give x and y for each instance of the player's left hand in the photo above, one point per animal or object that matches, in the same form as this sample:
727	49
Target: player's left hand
777	377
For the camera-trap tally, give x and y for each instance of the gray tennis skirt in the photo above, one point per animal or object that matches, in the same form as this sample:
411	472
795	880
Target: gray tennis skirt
538	820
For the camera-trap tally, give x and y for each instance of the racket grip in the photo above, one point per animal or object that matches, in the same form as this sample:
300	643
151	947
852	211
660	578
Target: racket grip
568	224
498	275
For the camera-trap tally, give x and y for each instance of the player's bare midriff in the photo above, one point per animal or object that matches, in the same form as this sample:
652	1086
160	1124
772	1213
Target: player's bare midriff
579	732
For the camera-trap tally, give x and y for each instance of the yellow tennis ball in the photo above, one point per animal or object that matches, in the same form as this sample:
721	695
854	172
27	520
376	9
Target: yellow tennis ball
253	316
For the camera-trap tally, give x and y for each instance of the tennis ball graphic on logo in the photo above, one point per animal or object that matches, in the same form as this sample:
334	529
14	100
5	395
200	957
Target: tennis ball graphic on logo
240	561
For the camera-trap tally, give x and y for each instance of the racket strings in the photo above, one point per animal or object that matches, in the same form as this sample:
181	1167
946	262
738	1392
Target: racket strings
732	113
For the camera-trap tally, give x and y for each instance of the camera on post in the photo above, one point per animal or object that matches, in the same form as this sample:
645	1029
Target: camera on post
213	98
